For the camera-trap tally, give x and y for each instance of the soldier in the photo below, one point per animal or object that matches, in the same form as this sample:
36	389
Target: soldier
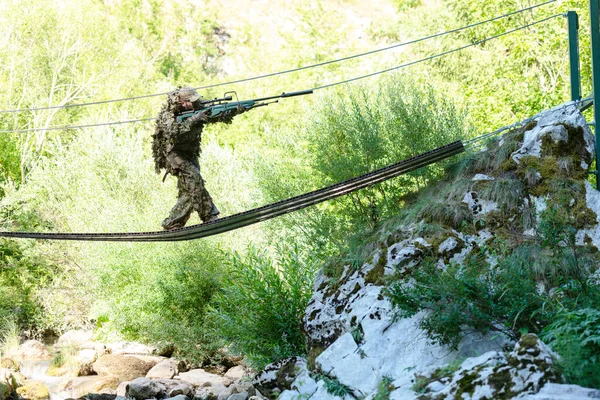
176	148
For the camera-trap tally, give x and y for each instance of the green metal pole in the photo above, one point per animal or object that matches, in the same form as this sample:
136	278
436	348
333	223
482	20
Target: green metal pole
595	39
574	55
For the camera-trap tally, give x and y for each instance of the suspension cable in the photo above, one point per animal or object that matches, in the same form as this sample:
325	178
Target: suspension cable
293	69
56	128
439	54
325	86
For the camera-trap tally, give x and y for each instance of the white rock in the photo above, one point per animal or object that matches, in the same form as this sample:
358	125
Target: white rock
77	338
448	245
165	369
592	198
235	373
477	205
482	177
304	384
130	348
556	391
199	377
322	394
33	350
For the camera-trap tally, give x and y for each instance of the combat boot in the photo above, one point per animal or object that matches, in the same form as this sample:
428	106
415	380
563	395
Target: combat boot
180	214
212	215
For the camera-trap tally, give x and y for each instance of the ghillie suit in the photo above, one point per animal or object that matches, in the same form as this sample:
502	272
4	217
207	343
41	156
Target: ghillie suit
176	148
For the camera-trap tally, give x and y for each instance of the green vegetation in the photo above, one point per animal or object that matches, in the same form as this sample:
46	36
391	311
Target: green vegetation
203	295
333	386
384	388
367	129
9	335
575	335
262	302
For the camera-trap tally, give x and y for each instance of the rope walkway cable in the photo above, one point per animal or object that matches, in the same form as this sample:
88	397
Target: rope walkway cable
324	86
263	213
56	128
283	207
294	69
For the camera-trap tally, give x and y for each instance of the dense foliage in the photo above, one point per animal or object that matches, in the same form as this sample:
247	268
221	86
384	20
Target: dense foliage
101	179
575	335
261	305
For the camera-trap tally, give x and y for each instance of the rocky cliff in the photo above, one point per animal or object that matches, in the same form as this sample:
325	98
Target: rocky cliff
363	344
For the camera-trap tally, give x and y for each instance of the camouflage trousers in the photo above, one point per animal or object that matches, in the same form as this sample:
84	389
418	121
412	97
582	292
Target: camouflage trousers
193	196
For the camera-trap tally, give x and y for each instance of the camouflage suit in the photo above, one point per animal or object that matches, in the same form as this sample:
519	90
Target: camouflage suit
176	148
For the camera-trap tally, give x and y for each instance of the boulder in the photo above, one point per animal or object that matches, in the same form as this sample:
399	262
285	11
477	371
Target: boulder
236	373
77	338
525	370
125	368
80	364
130	348
209	392
33	350
199	377
32	390
278	376
557	391
165	369
239	396
99	396
178	397
144	388
82	386
181	389
241	390
171	384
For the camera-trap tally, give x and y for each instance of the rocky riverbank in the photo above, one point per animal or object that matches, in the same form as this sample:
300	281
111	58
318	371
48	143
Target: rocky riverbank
76	367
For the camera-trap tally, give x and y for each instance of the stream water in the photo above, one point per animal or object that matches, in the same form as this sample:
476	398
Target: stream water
60	387
38	371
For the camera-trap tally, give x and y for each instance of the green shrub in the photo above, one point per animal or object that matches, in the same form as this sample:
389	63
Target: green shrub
171	298
367	128
384	388
575	336
24	276
533	280
9	335
263	299
186	293
333	386
473	296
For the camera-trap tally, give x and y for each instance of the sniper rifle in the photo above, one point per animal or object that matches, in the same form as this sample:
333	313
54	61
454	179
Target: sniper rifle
217	107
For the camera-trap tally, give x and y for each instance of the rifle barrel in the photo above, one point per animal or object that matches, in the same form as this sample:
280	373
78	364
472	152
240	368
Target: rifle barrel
291	94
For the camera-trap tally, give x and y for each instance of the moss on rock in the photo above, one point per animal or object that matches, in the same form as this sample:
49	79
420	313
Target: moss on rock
33	391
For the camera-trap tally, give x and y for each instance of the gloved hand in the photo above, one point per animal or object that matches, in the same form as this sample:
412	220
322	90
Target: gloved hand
200	117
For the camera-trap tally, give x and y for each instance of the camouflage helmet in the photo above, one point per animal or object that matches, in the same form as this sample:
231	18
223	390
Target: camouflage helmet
188	94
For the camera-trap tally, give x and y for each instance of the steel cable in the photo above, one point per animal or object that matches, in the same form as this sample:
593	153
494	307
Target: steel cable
293	69
324	86
262	213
